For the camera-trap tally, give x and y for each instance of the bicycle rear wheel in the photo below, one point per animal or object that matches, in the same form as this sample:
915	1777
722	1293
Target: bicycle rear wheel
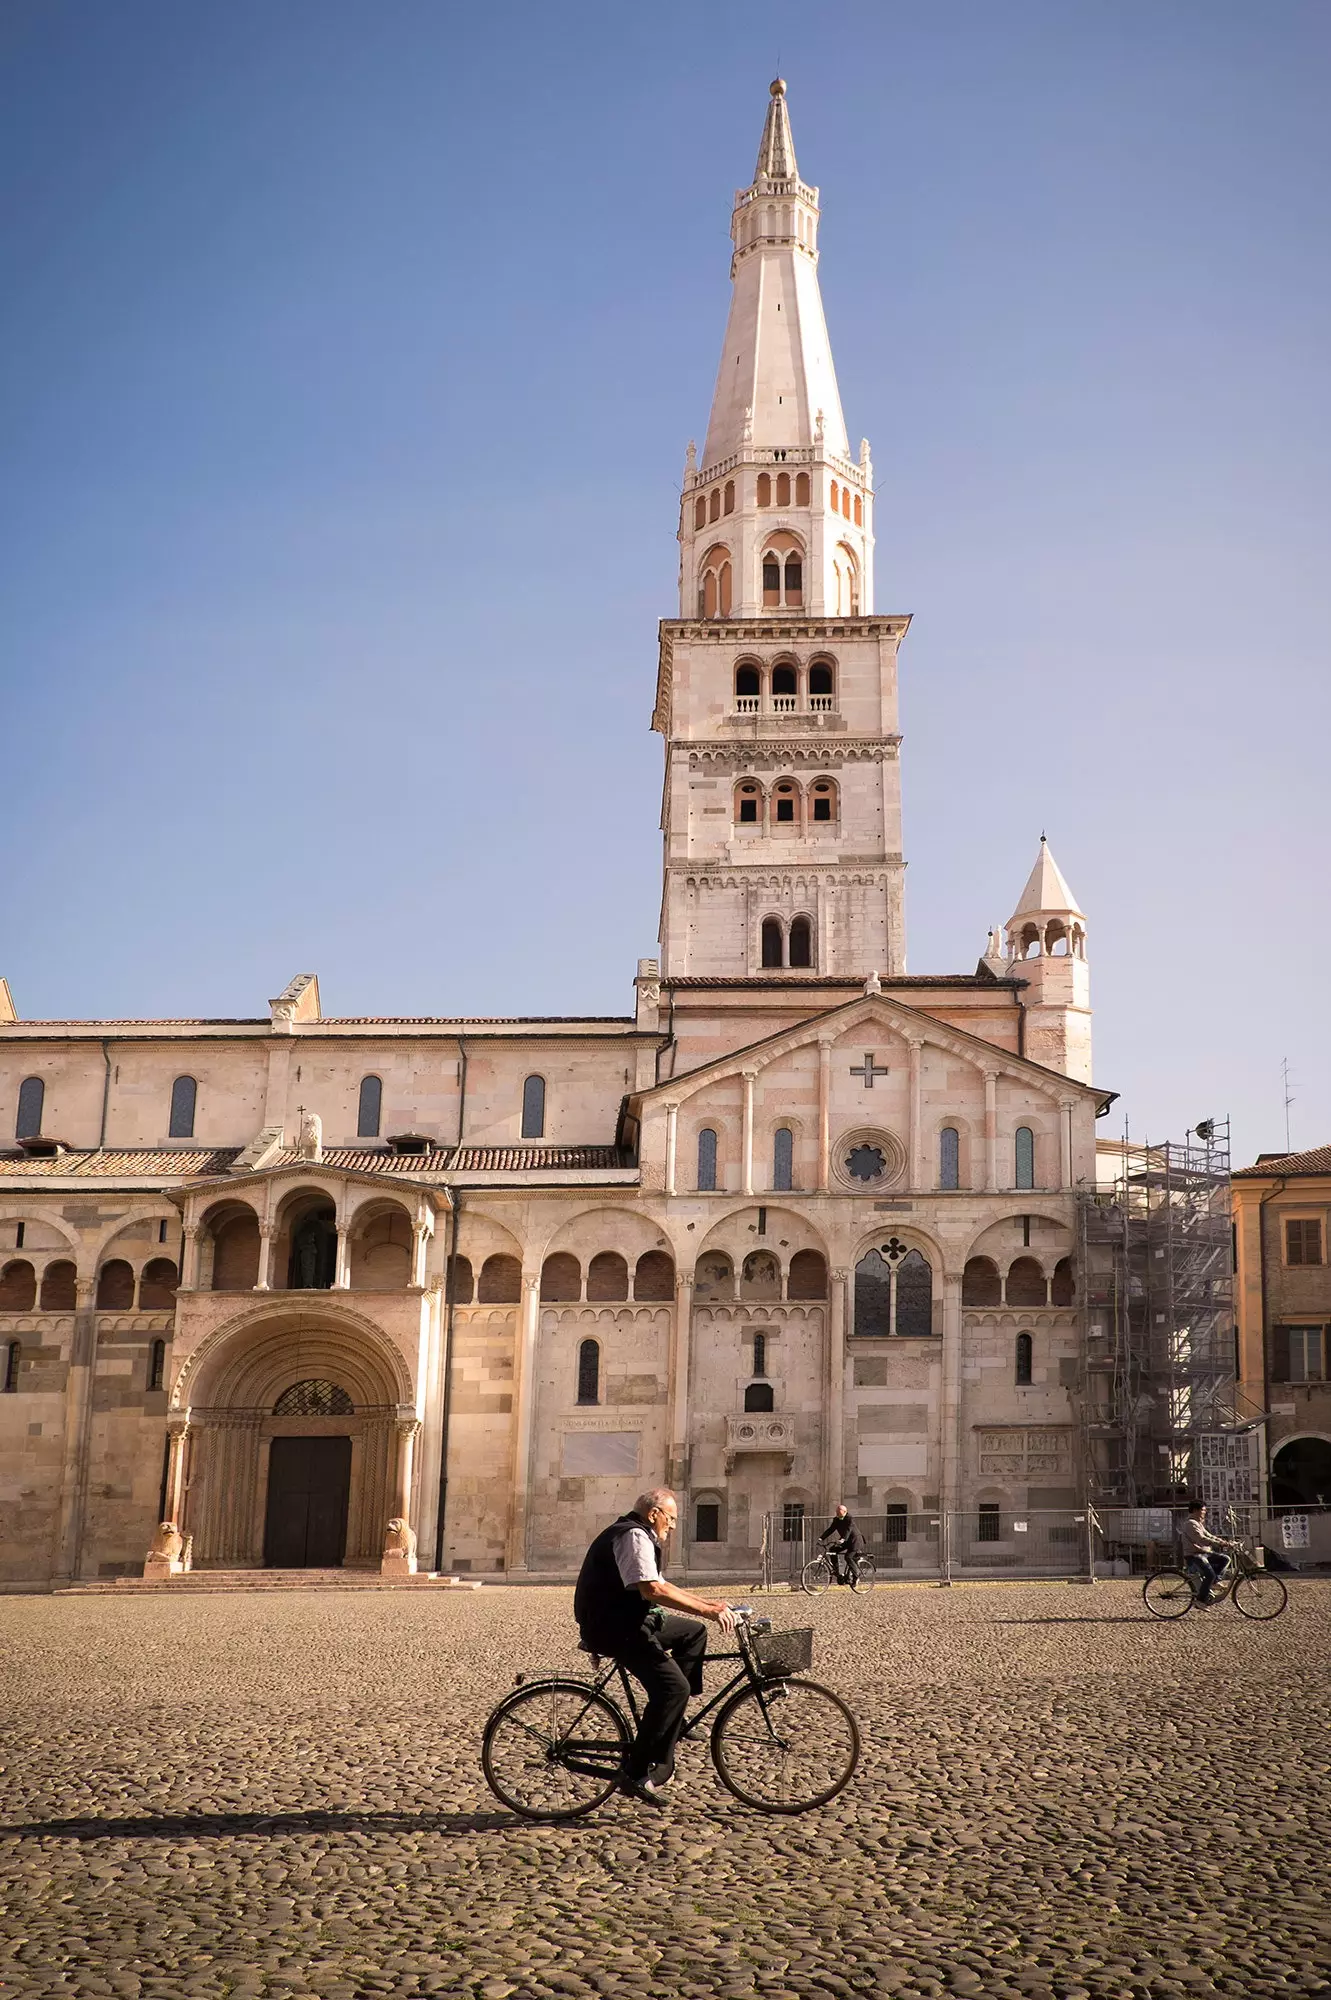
554	1750
786	1746
1167	1593
816	1576
1260	1595
863	1574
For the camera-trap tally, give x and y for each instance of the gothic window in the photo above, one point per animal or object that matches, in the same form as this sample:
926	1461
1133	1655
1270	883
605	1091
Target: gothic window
728	502
706	1160
115	1286
716	584
1025	1283
1063	1291
758	1396
699	514
801	943
824	800
1025	1356
501	1281
771	582
760	1353
589	1371
156	1364
184	1092
801	489
894	1293
561	1279
794	582
808	1275
316	1397
157	1286
949	1157
608	1277
654	1276
783	1158
764	489
748	805
783	489
369	1110
58	1287
31	1094
13	1355
533	1108
979	1283
462	1283
1025	1157
748	686
18	1287
773	942
707	1521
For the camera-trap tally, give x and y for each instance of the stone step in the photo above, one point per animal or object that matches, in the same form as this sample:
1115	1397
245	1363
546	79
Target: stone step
209	1580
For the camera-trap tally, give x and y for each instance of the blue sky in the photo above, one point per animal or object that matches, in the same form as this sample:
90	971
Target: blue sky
350	353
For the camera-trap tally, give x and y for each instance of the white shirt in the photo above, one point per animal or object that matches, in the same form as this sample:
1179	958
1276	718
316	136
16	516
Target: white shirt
636	1558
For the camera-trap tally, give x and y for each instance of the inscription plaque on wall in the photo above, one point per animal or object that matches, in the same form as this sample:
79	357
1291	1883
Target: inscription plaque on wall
599	1454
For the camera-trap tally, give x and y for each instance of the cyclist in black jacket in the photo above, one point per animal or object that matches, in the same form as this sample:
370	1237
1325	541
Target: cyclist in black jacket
842	1539
622	1604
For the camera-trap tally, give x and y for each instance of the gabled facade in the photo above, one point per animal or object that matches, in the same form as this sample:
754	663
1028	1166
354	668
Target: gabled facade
801	1227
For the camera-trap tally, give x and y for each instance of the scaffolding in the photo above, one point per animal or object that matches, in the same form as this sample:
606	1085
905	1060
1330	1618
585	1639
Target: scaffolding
1161	1409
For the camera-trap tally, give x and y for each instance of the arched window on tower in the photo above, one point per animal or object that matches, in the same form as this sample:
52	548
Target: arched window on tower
773	942
823	800
1025	1157
31	1098
949	1157
783	1159
184	1093
714	593
589	1372
845	503
786	799
748	690
1025	1358
801	489
533	1108
794	583
369	1109
707	1160
728	502
771	582
699	515
834	496
785	690
764	489
822	688
748	805
801	944
714	505
859	511
783	489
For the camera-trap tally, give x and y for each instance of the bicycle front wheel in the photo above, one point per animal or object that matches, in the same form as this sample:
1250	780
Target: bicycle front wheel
554	1750
1260	1595
786	1746
1167	1593
816	1576
863	1575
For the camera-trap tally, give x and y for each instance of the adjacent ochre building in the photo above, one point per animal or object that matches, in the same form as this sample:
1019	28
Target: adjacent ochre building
800	1227
1282	1229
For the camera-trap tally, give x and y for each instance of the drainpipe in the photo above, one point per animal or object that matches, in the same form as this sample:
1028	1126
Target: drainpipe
462	1087
669	1042
447	1411
106	1093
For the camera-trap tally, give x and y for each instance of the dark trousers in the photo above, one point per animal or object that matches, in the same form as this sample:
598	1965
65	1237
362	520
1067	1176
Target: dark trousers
1208	1569
667	1663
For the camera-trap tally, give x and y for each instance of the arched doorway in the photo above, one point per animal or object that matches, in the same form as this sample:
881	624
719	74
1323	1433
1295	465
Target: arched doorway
309	1481
1301	1473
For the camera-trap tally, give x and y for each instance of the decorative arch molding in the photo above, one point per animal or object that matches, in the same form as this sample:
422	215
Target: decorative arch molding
607	1315
768	755
53	1220
143	1211
802	1233
759	1312
907	1232
1031	1206
640	1223
239	1360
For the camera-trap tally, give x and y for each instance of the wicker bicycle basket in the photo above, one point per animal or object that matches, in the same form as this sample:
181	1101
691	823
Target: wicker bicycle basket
782	1653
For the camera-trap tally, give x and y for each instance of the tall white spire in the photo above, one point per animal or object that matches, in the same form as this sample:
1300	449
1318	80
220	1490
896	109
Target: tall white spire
776	378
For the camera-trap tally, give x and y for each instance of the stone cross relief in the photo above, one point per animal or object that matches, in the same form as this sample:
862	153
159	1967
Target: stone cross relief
868	1069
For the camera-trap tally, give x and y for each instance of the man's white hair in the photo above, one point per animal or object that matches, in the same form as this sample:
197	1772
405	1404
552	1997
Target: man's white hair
658	1497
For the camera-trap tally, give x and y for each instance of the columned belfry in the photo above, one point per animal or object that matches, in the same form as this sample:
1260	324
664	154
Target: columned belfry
777	691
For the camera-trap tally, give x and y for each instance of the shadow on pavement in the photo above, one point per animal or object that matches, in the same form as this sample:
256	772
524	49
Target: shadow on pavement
221	1826
1119	1618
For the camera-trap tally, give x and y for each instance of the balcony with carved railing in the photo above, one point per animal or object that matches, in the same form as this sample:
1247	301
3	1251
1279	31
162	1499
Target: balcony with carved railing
755	1433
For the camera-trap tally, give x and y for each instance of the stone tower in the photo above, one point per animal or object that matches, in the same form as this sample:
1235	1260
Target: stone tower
777	689
1046	947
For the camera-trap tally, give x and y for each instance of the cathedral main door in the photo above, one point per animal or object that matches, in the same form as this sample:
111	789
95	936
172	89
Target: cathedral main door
309	1486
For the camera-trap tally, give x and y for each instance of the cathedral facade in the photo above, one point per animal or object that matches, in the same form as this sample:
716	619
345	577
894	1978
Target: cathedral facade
800	1228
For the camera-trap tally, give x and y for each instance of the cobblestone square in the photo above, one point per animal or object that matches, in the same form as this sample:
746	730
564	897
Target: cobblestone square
279	1794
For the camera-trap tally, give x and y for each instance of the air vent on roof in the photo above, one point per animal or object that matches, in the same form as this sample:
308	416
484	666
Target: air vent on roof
44	1149
410	1142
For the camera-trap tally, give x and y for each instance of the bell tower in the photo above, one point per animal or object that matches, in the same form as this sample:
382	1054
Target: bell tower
777	686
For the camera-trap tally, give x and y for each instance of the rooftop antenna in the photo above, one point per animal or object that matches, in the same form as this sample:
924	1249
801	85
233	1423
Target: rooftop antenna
1289	1098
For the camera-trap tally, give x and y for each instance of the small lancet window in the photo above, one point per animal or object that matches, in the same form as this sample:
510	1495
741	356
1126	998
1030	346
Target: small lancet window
760	1353
728	503
714	507
794	581
1025	1356
772	582
801	489
156	1364
184	1093
859	511
783	489
783	1161
707	1160
533	1108
772	942
31	1097
699	514
369	1110
13	1355
1025	1157
834	495
801	943
589	1372
764	489
949	1157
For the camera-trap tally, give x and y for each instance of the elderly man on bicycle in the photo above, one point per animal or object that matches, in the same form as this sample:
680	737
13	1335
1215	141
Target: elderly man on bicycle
843	1542
623	1604
1204	1555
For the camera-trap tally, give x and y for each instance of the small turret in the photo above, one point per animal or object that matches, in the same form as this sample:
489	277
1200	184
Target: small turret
1046	947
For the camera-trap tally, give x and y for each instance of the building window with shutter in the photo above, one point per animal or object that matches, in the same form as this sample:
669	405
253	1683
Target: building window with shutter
1303	1241
1307	1353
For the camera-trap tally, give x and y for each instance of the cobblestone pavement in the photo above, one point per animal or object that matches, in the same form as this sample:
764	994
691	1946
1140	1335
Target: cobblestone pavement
280	1795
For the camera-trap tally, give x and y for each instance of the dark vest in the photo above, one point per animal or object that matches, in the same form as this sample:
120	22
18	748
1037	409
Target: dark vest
608	1615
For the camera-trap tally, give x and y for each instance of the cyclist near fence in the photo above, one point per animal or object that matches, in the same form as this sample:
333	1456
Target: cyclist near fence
1205	1555
842	1540
623	1604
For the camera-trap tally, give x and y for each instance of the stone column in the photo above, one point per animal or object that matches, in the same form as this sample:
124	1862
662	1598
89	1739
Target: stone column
824	1114
399	1548
681	1356
991	1131
420	1246
189	1258
264	1281
177	1433
749	1076
524	1412
78	1433
950	1400
672	1136
342	1269
834	1391
919	1179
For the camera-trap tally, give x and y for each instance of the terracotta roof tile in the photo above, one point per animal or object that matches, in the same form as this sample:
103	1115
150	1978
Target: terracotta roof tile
1281	1165
528	1159
797	984
145	1163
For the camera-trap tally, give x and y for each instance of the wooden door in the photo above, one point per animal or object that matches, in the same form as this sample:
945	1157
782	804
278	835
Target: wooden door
309	1485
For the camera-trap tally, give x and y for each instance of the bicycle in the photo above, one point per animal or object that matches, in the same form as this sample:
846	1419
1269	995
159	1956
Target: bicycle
556	1748
1256	1592
818	1574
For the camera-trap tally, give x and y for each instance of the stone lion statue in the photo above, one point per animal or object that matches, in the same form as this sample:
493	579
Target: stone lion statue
399	1538
167	1541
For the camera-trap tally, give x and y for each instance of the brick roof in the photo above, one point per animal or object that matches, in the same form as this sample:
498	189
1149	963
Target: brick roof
146	1162
1283	1165
153	1163
526	1159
